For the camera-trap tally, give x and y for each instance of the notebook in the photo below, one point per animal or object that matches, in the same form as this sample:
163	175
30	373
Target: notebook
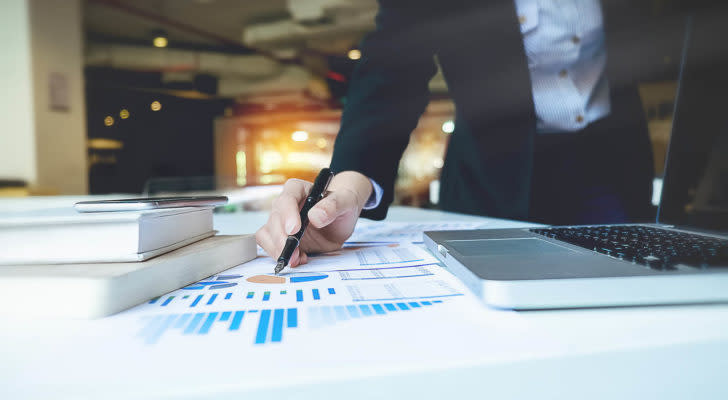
62	235
97	290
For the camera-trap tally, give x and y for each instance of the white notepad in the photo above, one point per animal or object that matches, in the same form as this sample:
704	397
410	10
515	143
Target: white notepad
96	290
60	236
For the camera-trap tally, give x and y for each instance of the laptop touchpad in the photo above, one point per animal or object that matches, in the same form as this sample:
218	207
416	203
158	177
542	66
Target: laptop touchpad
506	247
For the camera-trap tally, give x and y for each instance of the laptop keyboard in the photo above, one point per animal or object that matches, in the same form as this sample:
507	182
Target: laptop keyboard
657	248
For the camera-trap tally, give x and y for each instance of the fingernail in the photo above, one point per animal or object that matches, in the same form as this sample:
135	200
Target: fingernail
290	226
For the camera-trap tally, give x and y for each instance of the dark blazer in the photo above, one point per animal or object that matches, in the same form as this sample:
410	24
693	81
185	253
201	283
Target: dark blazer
479	46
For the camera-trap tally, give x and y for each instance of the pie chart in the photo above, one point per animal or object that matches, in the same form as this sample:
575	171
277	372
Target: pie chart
292	278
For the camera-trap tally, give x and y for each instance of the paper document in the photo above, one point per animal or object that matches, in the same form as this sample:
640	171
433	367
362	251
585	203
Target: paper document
349	283
402	232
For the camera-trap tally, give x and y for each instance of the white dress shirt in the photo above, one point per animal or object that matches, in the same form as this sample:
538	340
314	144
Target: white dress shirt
564	42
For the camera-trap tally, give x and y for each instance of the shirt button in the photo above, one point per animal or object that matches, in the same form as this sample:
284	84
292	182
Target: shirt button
579	119
563	73
521	19
575	39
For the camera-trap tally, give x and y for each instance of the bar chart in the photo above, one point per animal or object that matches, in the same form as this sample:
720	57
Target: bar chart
269	324
322	316
243	297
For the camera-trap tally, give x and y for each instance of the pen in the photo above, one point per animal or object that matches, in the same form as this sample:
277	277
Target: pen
318	191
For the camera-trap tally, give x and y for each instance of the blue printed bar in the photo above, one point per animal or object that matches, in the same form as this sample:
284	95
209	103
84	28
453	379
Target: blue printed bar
193	324
182	320
414	304
225	316
390	307
365	310
266	296
353	311
212	299
197	300
161	328
262	327
426	303
228	296
340	312
332	291
402	306
277	333
208	323
250	295
378	309
292	317
154	300
167	301
437	301
237	319
316	295
327	315
299	295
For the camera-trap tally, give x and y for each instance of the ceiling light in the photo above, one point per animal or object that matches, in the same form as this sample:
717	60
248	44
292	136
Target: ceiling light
299	136
354	54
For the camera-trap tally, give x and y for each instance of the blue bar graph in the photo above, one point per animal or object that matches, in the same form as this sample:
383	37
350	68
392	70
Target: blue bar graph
154	300
332	291
299	295
182	320
271	324
208	323
316	295
266	296
193	324
262	327
212	299
277	333
197	300
237	319
329	315
228	296
292	318
167	301
353	311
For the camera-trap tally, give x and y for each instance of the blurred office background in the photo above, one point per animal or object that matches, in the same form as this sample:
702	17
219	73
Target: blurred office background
169	96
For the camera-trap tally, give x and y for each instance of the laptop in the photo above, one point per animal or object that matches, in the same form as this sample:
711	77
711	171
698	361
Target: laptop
682	258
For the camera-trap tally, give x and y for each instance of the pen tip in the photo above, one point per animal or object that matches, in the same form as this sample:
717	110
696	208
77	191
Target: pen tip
279	267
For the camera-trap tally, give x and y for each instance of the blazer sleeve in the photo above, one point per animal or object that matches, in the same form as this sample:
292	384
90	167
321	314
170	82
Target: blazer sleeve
387	94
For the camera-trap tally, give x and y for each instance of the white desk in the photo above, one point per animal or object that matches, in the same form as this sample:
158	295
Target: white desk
676	352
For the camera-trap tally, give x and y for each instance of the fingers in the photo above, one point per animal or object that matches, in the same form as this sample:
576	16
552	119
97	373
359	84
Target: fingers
332	206
284	220
274	247
286	207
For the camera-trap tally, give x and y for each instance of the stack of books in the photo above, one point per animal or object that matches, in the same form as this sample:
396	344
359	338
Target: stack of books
63	263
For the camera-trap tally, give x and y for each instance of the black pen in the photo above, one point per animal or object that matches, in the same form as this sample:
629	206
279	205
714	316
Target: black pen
318	191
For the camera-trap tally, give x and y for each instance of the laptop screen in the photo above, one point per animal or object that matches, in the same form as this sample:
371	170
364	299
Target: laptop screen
695	191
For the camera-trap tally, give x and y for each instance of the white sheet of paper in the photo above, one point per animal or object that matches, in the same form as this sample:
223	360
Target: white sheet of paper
402	232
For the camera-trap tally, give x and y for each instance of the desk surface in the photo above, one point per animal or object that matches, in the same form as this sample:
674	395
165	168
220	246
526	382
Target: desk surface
648	352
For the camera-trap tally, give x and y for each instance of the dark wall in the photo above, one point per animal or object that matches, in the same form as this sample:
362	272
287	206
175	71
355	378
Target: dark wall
176	141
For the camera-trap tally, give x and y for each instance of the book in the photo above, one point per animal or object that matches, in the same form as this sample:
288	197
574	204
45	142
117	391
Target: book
62	235
97	290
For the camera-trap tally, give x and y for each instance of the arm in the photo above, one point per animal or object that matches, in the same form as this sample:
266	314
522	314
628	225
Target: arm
388	93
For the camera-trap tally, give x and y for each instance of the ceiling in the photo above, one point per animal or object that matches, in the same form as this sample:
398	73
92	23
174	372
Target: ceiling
217	23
